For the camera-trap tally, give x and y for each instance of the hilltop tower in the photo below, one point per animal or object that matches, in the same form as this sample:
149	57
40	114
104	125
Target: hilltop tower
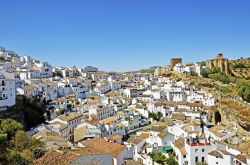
175	61
220	63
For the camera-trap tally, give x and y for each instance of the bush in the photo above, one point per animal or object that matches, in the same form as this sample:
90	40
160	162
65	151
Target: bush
192	73
59	74
158	157
239	65
225	90
205	73
244	90
171	160
156	116
219	77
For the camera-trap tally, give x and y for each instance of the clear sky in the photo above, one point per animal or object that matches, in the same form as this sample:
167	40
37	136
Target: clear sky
120	35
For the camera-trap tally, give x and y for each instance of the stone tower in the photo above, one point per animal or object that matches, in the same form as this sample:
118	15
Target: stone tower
220	63
175	61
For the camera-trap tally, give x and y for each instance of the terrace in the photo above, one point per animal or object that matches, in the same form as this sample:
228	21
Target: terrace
197	142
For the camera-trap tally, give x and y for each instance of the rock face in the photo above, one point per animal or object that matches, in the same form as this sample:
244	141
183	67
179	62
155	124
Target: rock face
235	112
229	111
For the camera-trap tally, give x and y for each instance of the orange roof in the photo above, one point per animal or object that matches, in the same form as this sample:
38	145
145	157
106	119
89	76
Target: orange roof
107	147
178	116
114	137
92	122
109	119
241	158
66	157
145	135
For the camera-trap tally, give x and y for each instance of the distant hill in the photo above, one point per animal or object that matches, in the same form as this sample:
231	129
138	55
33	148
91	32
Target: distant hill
149	70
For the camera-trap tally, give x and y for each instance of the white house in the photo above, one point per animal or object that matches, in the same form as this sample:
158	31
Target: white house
179	68
220	132
101	111
71	120
7	89
219	157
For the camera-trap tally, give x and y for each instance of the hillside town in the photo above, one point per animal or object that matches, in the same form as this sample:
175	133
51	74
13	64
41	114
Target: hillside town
110	118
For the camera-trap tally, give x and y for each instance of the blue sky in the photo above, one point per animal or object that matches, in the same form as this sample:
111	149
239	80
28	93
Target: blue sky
121	35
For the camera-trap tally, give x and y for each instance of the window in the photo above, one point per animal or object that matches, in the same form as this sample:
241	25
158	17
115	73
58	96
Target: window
184	156
196	159
196	150
203	149
216	162
202	159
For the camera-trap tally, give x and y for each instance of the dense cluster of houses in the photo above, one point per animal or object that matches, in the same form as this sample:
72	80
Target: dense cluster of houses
107	117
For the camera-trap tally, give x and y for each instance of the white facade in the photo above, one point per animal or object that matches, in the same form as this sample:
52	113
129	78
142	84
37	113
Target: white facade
7	89
220	158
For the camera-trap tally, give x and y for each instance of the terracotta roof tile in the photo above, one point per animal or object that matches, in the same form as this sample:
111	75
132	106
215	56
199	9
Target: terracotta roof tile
107	147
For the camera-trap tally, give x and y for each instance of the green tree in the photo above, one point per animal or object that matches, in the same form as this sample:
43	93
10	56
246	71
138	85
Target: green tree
205	73
10	127
3	146
171	160
2	59
20	141
15	146
192	73
156	116
244	91
14	158
246	94
28	110
158	157
59	74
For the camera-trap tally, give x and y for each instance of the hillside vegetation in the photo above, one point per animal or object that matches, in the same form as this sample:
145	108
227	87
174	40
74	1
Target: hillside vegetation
240	68
28	111
15	146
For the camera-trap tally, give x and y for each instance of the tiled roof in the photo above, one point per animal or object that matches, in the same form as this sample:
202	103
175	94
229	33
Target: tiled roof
47	135
66	157
62	125
92	122
107	147
179	143
244	147
216	153
178	116
219	130
183	151
70	116
145	135
162	134
109	119
241	158
114	137
79	133
135	139
28	87
156	128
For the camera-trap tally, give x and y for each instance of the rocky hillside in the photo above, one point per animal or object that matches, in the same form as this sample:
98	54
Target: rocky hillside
240	68
230	106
